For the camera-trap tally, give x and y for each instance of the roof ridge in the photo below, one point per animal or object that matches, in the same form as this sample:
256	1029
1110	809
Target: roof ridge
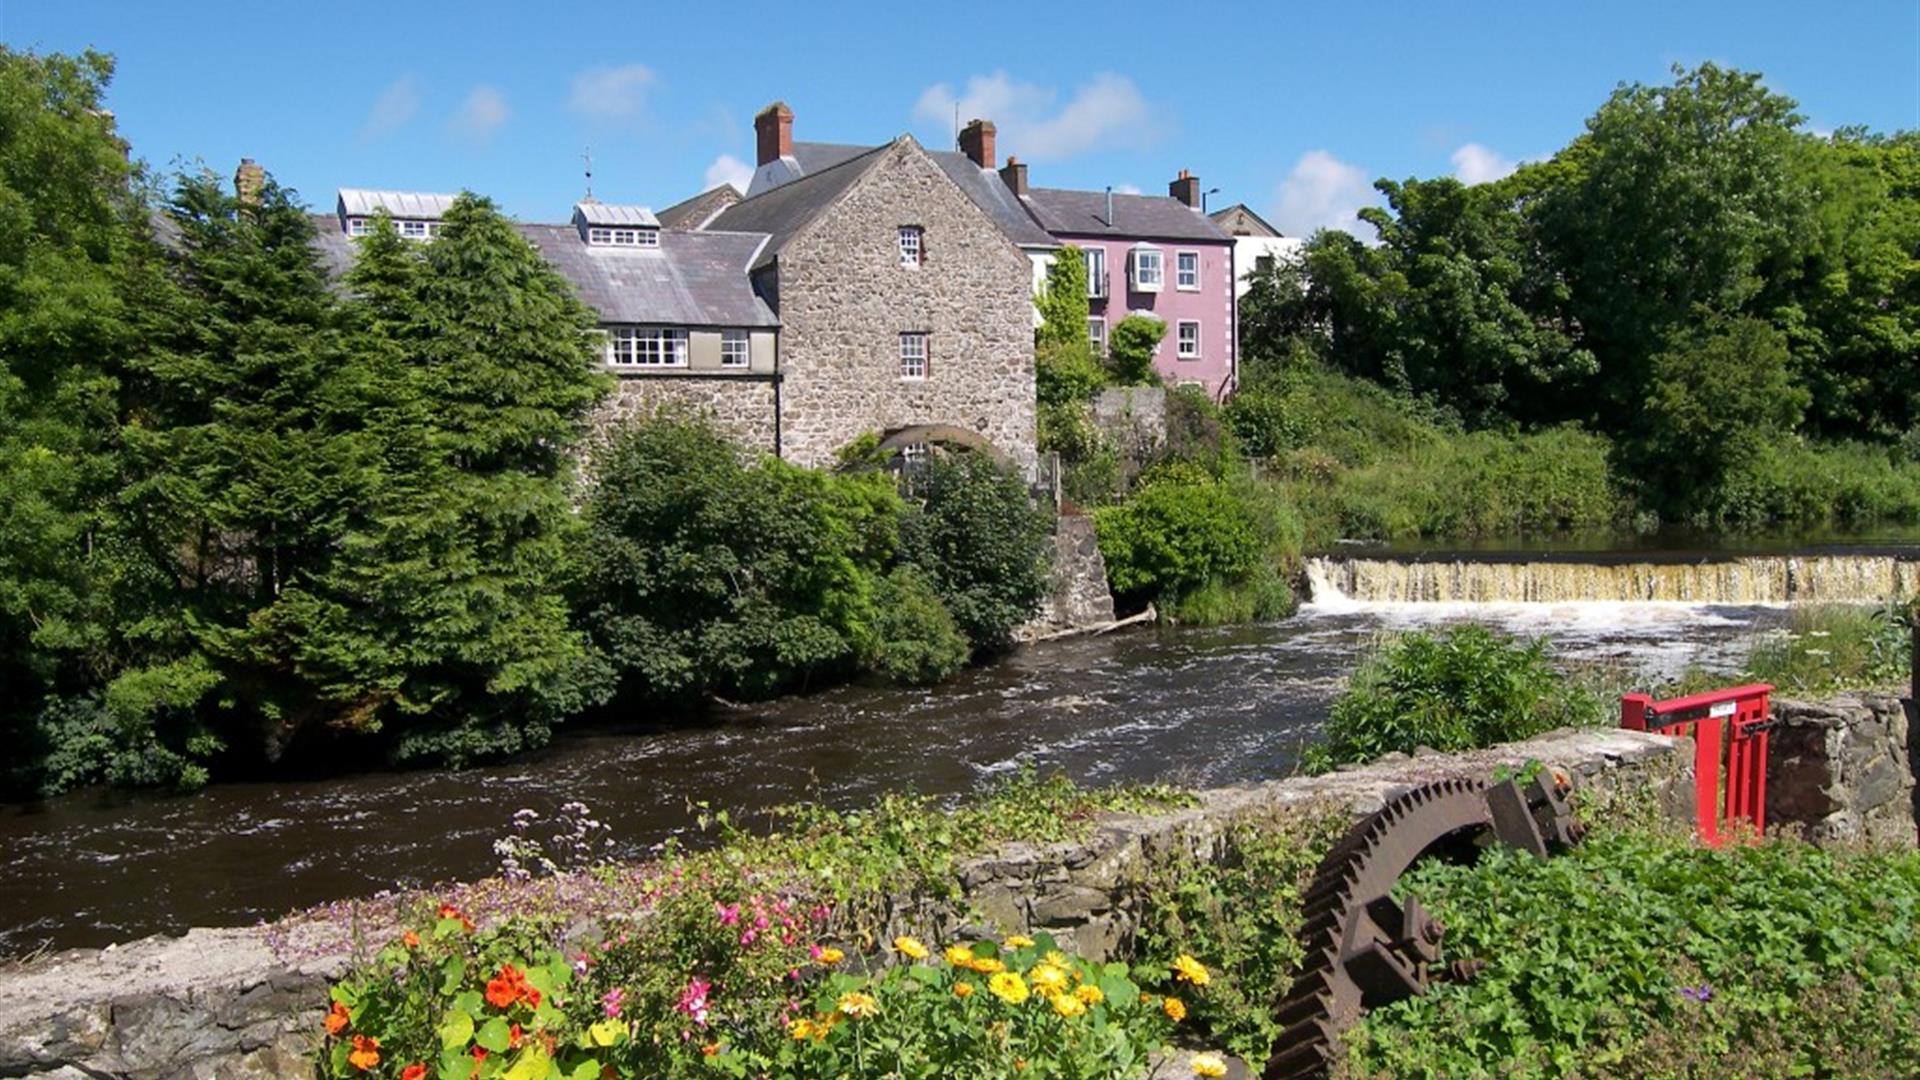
804	177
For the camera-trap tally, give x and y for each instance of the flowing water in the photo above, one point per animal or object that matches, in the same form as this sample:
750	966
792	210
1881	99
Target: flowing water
1200	707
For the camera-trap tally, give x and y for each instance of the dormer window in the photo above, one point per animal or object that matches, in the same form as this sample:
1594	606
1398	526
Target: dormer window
1147	267
623	237
359	227
412	230
416	215
605	225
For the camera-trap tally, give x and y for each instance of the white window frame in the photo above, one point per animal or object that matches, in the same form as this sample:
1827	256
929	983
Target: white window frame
915	363
647	237
734	350
413	229
1180	348
359	226
1180	277
1097	334
1096	258
911	241
1147	280
605	236
598	235
642	347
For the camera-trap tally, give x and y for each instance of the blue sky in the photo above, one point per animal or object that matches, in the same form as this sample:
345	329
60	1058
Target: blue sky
1293	109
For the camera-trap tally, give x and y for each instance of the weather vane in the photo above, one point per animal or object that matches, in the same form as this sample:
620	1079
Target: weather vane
588	157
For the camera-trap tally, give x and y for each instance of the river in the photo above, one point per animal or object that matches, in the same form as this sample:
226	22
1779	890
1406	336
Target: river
1200	707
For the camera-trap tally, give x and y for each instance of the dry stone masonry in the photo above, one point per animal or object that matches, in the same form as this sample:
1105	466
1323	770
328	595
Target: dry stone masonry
1842	769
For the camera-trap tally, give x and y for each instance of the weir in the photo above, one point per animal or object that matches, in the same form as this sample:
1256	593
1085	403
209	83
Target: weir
1748	579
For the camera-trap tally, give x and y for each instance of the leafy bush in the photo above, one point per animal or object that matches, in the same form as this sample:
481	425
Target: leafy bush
712	575
1243	910
1837	484
1067	372
915	639
1829	647
1462	688
1642	954
984	545
1180	530
1130	349
1196	432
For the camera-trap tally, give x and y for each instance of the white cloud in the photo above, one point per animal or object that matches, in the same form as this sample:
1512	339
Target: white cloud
482	114
1125	189
612	94
1322	192
396	105
1477	164
727	169
1030	123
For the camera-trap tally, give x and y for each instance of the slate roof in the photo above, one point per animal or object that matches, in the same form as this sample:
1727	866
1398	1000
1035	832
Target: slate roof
694	213
595	212
783	211
1083	213
361	202
691	279
1221	215
992	195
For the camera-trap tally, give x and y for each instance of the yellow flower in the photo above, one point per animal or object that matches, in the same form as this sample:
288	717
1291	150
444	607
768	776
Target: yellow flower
1019	941
1209	1065
858	1005
987	965
830	956
1048	979
910	947
959	956
1068	1006
1090	994
801	1030
963	990
1057	959
1187	969
1009	987
1175	1008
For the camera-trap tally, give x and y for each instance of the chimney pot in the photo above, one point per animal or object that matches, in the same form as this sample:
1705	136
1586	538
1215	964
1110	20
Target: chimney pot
1015	176
248	180
773	130
1186	188
976	141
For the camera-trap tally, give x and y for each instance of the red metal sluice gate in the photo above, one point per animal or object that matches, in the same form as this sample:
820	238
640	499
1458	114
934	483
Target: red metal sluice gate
1729	731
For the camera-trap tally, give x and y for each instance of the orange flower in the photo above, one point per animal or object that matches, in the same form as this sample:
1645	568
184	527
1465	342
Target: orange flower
412	941
415	1071
710	1049
514	1037
366	1053
337	1019
510	986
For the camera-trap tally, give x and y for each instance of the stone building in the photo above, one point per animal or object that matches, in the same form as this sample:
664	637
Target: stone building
903	304
1257	246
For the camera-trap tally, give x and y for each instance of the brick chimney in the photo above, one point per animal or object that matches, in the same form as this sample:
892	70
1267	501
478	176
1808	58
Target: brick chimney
1186	188
1015	176
976	141
774	127
248	180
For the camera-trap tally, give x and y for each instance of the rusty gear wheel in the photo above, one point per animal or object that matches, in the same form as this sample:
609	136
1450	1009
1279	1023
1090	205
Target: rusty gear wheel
1363	948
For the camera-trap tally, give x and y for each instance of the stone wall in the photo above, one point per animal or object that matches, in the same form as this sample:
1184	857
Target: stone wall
844	300
221	1003
1132	418
1842	769
1079	599
741	406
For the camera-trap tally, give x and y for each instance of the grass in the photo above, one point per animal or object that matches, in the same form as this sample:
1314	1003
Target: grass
1827	648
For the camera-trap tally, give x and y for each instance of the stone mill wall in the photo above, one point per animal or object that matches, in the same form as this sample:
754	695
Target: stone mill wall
741	406
223	1004
1079	598
1842	769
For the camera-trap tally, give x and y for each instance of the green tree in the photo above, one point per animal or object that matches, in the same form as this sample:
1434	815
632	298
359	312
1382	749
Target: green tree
1677	200
1063	303
1719	396
1181	530
980	540
71	221
1130	349
711	575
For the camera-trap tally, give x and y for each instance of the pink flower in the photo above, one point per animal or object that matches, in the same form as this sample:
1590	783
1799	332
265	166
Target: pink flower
729	913
693	1000
748	937
611	1001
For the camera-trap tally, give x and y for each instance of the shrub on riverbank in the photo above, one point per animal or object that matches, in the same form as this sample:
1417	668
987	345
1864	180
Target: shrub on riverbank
1643	954
1831	647
1456	689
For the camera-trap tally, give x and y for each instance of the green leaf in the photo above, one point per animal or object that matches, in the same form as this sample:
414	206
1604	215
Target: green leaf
456	1030
495	1035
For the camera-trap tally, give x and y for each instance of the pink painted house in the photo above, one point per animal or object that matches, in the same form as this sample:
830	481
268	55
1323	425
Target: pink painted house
1157	255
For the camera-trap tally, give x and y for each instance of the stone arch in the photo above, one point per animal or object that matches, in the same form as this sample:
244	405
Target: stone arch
942	435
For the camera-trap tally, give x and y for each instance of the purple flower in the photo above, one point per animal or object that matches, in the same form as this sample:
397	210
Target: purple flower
1702	993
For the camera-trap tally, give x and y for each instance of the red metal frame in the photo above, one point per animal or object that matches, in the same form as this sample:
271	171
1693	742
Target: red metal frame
1739	717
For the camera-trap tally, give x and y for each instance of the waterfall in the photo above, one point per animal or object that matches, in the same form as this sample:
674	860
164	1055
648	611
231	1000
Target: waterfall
1760	579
